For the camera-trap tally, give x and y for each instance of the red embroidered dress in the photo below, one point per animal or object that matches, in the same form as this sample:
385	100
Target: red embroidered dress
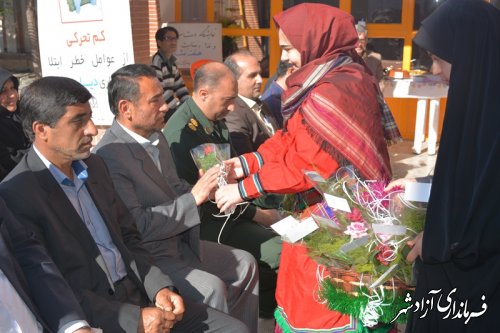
334	116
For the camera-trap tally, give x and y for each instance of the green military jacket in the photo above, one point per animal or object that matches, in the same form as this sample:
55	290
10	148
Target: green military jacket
188	128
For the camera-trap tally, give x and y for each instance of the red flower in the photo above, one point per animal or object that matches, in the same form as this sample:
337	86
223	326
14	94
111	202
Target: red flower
208	149
385	254
355	215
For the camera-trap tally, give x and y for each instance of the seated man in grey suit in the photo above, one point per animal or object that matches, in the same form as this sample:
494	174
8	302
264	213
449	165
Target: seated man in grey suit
66	196
165	207
251	122
29	281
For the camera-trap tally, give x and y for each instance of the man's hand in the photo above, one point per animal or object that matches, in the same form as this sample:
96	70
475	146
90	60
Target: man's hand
169	301
401	182
204	186
235	170
266	217
416	248
155	320
227	196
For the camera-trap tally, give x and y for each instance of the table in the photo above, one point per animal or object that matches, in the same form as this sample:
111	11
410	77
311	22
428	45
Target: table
428	89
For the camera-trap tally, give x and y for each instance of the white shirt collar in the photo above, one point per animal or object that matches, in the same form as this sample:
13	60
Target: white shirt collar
250	102
153	139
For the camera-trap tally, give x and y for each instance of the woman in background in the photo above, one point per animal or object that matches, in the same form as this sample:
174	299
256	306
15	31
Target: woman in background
13	142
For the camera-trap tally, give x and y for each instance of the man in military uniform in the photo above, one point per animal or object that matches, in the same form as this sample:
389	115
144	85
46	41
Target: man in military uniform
199	121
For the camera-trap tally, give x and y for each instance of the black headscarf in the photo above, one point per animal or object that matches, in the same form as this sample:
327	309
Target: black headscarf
465	196
461	245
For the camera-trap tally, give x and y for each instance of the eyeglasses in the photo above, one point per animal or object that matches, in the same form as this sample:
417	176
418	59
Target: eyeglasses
170	38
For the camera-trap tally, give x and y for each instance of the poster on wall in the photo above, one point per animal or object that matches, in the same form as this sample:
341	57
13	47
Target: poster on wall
86	40
197	41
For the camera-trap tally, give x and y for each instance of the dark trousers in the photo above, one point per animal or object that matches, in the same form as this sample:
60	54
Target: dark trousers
263	243
197	317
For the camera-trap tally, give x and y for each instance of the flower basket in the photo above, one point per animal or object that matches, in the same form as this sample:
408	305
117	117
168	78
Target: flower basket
362	243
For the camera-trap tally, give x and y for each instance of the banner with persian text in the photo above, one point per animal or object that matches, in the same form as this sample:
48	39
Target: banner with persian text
86	40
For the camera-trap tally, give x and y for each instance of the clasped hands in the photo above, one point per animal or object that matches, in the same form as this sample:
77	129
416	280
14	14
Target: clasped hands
168	309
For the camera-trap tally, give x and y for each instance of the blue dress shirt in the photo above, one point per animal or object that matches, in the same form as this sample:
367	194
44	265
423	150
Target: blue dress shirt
80	198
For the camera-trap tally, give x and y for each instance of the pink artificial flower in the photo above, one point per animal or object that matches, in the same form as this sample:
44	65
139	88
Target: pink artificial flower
366	197
377	189
355	215
385	252
357	230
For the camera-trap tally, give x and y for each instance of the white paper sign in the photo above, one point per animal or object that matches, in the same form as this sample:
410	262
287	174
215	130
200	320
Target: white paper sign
293	230
283	225
337	203
417	192
197	41
86	42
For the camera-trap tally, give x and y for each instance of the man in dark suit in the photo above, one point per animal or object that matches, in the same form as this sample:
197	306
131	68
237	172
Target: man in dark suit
165	207
67	197
251	123
29	281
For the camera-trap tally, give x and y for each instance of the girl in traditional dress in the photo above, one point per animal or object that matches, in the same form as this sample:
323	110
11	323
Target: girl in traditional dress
334	115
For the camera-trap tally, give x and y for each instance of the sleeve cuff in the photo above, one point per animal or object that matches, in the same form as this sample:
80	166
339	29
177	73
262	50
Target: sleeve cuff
73	326
251	162
251	187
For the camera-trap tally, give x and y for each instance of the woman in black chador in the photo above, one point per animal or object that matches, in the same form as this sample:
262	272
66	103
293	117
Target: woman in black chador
13	142
460	247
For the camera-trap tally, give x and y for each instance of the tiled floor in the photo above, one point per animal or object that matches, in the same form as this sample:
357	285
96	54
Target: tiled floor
406	164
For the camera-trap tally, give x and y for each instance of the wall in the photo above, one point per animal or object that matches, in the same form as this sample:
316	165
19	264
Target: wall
167	11
145	18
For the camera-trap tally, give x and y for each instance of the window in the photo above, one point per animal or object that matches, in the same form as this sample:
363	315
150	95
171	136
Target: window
377	11
391	26
289	3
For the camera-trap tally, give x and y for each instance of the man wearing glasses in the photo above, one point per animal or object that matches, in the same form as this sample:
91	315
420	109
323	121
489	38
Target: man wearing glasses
372	59
174	89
